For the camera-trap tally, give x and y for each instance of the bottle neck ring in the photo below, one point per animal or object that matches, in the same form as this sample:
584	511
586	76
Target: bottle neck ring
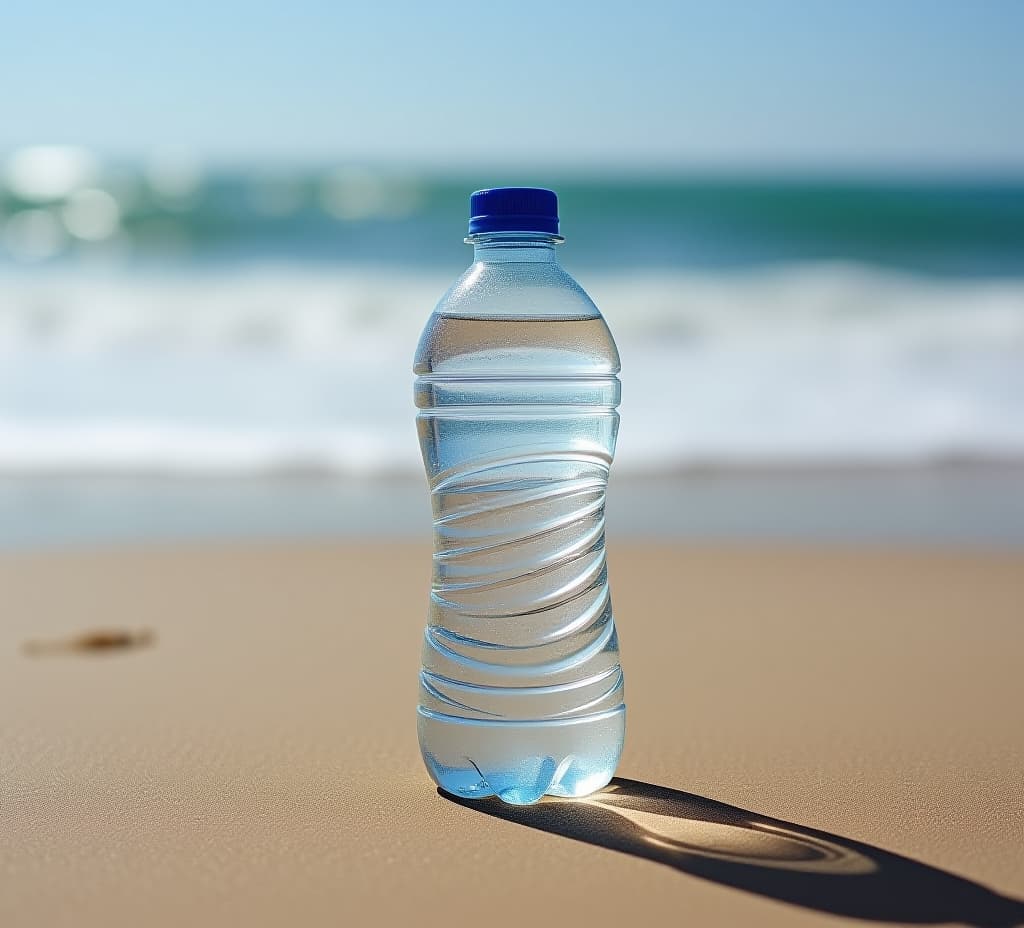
518	247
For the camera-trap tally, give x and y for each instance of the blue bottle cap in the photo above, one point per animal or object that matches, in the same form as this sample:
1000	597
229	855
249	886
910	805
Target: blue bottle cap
513	209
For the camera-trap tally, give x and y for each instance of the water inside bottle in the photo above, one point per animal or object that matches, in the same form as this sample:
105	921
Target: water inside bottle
521	690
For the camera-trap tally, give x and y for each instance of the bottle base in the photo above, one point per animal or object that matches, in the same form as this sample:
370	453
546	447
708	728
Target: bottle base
521	761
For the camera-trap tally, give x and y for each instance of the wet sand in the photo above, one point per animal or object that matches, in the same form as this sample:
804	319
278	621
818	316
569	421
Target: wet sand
813	733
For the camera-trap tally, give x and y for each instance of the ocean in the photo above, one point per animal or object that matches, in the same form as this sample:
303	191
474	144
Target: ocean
171	324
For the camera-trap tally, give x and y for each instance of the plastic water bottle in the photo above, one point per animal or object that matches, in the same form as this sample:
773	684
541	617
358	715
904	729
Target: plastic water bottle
521	691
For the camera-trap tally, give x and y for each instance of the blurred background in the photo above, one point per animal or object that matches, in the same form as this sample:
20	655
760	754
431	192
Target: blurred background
223	226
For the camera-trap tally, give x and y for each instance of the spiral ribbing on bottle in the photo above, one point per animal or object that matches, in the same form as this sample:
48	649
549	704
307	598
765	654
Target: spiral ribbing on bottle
520	624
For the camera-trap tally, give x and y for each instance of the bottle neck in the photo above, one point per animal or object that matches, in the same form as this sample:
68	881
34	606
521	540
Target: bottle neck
514	247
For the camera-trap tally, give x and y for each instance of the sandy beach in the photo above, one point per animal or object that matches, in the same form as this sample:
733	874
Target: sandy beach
813	733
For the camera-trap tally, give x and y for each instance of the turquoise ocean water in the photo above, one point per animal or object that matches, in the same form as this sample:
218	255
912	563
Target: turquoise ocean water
948	227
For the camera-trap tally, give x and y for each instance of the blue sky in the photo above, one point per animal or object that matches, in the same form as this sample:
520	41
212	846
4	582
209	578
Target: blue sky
902	84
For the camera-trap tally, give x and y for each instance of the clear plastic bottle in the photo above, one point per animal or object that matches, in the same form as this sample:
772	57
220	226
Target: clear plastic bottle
521	691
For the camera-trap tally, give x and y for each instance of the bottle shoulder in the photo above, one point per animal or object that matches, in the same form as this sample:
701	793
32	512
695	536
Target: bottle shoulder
524	320
516	289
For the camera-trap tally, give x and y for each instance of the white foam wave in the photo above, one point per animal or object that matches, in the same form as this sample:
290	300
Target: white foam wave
294	368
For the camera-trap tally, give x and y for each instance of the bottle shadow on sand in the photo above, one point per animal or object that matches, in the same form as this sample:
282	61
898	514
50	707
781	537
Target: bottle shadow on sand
762	855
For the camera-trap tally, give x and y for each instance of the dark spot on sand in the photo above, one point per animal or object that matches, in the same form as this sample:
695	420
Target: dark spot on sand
100	641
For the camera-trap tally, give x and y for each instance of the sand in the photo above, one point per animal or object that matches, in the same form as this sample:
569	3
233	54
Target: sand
812	734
